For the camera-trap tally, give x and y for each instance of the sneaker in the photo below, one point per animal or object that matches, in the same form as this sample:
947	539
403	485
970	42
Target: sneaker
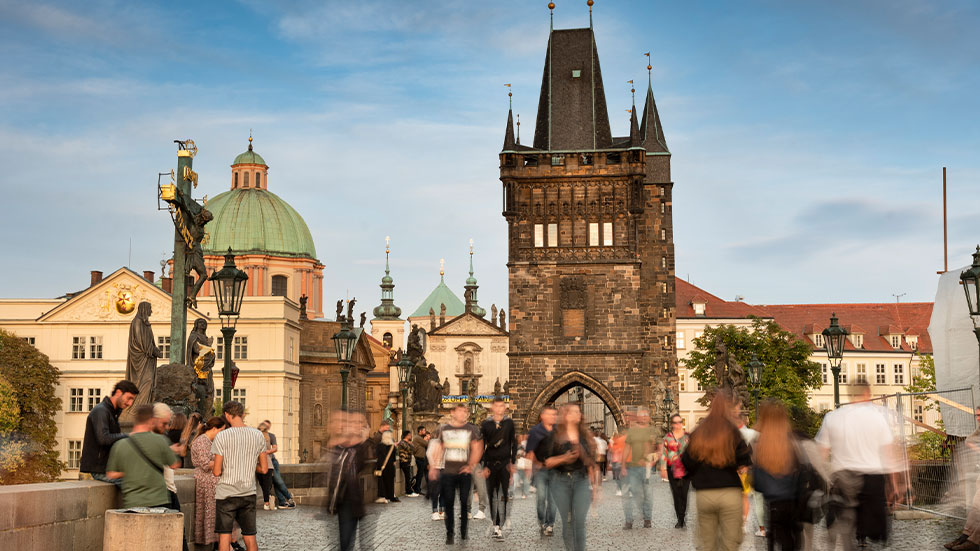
435	516
266	506
290	504
449	539
442	515
497	533
619	492
955	542
628	526
480	515
760	533
549	530
395	500
966	546
381	500
647	524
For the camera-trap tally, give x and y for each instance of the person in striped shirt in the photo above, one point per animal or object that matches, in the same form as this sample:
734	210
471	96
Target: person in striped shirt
239	451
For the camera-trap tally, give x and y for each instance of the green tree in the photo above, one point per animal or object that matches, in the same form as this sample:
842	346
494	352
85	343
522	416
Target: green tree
925	379
33	380
788	375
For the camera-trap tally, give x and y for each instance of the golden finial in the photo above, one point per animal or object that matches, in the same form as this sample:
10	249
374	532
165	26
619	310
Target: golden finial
510	96
551	6
442	267
518	128
590	3
249	139
471	246
387	243
649	66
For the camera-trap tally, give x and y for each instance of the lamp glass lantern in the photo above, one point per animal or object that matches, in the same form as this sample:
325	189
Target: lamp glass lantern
970	278
668	403
755	370
405	367
229	289
834	337
344	341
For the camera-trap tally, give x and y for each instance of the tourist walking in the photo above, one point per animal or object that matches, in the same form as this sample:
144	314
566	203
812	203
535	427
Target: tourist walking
405	455
863	460
459	448
436	463
776	474
239	452
713	458
675	442
569	452
102	430
639	457
265	479
601	451
522	480
420	443
205	481
139	461
499	457
284	498
616	448
752	502
384	469
347	450
541	475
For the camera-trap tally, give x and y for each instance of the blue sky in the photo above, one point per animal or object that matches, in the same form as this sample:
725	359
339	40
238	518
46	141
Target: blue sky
807	138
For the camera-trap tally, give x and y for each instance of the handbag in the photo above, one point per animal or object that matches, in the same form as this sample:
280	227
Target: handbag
377	472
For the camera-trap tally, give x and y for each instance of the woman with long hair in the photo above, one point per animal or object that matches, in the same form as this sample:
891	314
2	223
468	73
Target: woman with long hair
713	458
205	482
570	454
775	474
187	437
265	479
675	442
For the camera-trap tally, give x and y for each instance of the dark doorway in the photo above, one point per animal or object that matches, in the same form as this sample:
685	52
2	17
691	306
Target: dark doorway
596	413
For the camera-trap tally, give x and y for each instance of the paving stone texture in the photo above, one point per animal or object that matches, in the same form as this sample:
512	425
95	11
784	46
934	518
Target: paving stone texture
407	526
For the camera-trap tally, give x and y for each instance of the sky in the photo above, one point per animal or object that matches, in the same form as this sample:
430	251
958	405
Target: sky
807	138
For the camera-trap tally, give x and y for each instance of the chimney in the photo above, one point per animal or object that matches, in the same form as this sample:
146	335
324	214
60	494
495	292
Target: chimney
96	277
148	275
168	284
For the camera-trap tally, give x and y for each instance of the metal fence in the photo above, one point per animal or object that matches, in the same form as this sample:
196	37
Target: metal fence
940	470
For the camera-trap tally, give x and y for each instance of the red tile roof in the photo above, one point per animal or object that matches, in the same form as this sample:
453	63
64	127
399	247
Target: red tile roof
715	307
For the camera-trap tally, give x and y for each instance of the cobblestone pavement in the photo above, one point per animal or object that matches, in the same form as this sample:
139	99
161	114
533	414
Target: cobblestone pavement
407	526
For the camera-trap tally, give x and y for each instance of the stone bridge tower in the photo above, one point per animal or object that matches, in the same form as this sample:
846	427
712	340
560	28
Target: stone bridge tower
590	245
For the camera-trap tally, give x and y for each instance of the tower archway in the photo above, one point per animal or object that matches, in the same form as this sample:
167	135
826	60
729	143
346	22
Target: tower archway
589	389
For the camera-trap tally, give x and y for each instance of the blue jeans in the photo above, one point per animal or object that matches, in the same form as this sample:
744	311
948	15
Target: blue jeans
546	504
521	483
101	477
573	496
642	493
282	492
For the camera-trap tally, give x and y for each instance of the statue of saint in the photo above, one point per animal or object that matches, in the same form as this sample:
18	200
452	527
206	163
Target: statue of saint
496	387
414	349
350	310
340	310
141	360
190	217
200	354
503	320
363	318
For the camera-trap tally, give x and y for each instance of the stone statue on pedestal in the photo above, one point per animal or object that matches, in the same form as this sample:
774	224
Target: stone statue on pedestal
200	355
141	359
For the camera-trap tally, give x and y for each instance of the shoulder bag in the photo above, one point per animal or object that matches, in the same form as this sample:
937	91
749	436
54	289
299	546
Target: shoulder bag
377	472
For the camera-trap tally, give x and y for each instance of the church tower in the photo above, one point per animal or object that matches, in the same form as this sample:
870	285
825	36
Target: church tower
590	245
387	325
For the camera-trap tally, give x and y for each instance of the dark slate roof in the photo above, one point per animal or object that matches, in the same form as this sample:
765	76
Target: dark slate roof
653	131
509	142
572	112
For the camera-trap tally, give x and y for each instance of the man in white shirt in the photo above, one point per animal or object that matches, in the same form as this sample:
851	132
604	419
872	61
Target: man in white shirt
237	451
860	440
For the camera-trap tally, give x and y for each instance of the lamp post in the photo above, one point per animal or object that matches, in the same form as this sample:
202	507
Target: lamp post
405	366
833	338
344	341
229	290
668	406
970	278
755	377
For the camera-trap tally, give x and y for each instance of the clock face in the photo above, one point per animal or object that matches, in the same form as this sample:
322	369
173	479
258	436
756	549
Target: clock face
125	303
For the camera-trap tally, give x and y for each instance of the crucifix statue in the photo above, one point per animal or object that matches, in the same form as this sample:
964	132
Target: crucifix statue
189	218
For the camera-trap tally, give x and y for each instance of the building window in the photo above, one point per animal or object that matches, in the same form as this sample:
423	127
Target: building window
663	235
843	373
663	287
593	234
698	308
858	341
818	340
292	350
663	262
279	283
899	374
95	348
607	234
680	340
896	341
552	235
238	395
663	208
913	342
682	382
539	235
289	401
74	454
94	397
862	373
880	374
29	340
918	414
258	179
78	348
557	160
823	374
76	397
573	322
239	349
164	344
387	339
245	184
700	388
235	184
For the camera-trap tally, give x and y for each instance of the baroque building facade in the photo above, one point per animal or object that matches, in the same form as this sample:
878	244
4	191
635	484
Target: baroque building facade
590	244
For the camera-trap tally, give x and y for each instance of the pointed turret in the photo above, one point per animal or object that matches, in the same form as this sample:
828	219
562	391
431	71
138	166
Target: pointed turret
653	132
387	309
509	141
635	138
471	305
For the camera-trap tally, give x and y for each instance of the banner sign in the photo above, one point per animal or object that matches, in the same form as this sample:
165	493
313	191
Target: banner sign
463	398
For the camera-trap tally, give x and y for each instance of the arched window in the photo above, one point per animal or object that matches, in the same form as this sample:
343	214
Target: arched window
258	179
245	180
279	284
235	184
387	339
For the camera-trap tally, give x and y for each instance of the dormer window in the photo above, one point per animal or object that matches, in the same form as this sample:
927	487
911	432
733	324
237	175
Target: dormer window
818	340
699	308
896	341
913	342
857	340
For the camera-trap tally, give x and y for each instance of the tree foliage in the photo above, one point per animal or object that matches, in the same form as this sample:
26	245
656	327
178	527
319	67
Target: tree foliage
31	447
925	379
788	374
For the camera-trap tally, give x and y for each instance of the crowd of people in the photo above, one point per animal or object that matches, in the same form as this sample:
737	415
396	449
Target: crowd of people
768	480
229	458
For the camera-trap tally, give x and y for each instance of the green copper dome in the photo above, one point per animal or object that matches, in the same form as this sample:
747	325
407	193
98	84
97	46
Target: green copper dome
249	157
439	296
257	221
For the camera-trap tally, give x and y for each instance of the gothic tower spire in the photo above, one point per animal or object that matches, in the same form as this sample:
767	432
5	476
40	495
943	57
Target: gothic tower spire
471	287
653	132
387	309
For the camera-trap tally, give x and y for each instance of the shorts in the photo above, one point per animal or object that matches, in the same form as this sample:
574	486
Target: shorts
230	510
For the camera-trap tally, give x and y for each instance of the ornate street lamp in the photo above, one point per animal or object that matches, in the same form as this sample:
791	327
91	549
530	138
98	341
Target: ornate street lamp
344	340
229	291
970	278
405	366
668	408
755	367
833	338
